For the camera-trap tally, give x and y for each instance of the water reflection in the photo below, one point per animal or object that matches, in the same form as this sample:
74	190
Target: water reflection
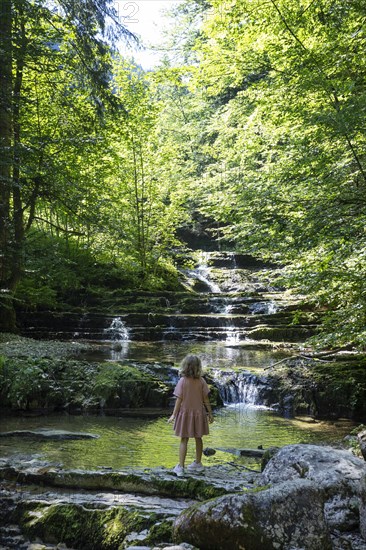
137	442
213	354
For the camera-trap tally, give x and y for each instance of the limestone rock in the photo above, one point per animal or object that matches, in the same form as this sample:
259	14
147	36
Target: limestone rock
362	442
310	497
258	520
48	434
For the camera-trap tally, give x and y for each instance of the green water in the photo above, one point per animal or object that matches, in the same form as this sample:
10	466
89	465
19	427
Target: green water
136	442
129	442
214	354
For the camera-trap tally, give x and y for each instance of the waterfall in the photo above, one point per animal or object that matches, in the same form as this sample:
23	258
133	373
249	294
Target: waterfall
268	308
202	274
117	331
237	387
232	335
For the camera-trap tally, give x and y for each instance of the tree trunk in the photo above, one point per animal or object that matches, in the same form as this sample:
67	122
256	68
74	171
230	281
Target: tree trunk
18	218
7	315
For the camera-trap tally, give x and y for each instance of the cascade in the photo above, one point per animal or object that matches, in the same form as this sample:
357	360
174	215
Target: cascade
237	387
269	308
117	331
232	335
223	299
202	274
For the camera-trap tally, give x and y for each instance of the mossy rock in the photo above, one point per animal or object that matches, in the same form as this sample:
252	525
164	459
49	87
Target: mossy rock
160	531
331	389
341	387
54	384
79	527
268	454
281	333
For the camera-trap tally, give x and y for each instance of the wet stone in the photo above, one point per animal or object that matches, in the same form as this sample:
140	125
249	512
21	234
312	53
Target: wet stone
213	481
49	434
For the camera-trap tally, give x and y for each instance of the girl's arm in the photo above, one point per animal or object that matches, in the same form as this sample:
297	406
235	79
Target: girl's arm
177	405
207	404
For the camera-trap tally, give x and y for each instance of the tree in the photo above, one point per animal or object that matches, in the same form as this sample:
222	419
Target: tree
285	176
142	207
297	140
40	41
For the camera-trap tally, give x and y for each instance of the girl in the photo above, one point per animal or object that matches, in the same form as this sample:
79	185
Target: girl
189	415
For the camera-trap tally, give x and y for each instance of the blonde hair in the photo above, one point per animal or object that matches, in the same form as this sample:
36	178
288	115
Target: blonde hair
191	366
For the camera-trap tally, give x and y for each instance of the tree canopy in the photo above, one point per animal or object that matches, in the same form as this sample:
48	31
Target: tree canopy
258	128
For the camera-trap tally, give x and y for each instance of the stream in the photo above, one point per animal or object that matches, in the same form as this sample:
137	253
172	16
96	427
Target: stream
80	479
235	304
149	442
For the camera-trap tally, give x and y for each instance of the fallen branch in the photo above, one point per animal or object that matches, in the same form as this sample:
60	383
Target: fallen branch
257	453
282	361
308	357
242	467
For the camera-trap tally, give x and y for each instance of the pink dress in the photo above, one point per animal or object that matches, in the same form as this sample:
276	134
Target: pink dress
191	420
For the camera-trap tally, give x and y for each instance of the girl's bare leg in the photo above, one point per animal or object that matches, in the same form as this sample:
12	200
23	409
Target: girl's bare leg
183	450
199	448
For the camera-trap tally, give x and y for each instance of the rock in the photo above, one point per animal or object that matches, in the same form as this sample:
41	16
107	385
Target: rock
49	434
323	464
306	419
268	454
215	481
363	515
310	498
257	453
361	437
208	451
338	475
257	521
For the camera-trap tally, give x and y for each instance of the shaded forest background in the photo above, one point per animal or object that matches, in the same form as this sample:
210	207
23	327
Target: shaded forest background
255	134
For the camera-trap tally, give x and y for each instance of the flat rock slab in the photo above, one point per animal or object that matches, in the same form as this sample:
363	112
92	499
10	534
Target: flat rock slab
49	434
212	482
160	506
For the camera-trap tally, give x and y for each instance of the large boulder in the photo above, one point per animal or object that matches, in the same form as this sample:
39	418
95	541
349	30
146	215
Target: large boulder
310	497
339	476
282	517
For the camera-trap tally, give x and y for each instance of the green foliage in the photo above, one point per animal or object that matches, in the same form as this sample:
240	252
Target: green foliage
114	380
61	274
283	171
266	152
27	383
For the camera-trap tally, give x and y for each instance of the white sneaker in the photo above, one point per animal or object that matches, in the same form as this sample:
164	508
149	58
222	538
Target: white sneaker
195	467
178	470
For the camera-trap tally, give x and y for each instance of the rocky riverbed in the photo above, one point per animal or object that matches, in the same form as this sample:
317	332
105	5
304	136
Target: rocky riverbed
102	509
307	496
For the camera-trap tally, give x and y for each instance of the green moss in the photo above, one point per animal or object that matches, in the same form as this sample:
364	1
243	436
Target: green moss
279	334
43	382
268	454
79	527
160	532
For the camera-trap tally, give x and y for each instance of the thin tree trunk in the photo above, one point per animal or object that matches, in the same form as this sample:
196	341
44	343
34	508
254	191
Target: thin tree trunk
7	314
18	222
